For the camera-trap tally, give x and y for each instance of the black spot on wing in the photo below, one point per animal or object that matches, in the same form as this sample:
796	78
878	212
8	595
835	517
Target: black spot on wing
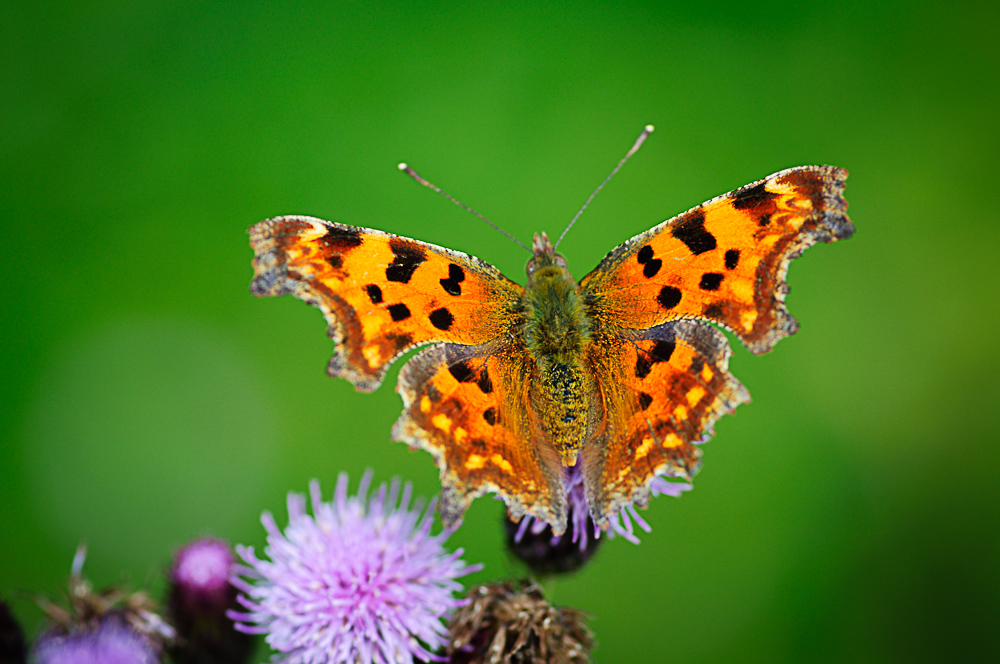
732	259
484	382
644	400
462	372
691	231
441	318
642	366
453	284
710	281
407	258
374	293
340	240
335	261
749	198
490	415
669	297
763	220
662	351
650	265
399	312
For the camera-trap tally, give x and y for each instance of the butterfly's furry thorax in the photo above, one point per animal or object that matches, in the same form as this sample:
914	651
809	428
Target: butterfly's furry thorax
557	336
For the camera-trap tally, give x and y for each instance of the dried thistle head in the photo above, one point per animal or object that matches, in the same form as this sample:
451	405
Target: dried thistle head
88	611
512	623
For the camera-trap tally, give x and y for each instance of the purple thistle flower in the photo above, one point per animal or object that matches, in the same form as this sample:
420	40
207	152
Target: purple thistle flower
202	570
200	595
360	580
111	642
548	553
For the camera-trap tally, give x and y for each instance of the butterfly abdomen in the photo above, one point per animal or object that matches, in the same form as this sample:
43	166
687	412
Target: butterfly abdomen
557	335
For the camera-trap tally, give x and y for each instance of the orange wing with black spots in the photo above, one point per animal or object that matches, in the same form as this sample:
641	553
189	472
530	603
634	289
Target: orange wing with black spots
628	352
470	408
725	260
663	392
381	294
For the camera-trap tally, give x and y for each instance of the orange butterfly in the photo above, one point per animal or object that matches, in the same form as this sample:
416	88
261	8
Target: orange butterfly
617	376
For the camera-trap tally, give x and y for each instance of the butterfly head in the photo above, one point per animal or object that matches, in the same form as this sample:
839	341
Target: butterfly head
545	263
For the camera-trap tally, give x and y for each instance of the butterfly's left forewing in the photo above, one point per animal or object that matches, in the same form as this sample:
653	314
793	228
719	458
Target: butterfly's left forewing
381	294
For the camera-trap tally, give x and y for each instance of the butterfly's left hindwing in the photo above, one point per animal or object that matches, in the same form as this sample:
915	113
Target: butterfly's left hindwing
381	294
469	407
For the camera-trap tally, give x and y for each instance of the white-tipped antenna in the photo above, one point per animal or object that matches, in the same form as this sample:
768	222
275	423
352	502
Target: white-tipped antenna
413	174
638	143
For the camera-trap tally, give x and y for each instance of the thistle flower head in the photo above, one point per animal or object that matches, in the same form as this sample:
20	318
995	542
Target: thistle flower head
361	580
110	626
513	623
199	596
110	642
201	569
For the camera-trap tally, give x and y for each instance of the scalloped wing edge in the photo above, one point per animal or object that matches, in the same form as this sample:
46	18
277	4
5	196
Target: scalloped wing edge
831	223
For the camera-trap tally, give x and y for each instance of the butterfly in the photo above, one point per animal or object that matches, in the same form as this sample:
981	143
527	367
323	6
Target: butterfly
620	375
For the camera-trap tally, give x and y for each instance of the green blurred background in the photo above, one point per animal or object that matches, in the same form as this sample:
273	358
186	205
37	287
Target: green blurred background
850	513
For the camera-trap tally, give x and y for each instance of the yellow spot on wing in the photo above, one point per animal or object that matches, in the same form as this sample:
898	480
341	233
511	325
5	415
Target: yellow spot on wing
425	405
474	462
644	448
707	373
502	463
747	319
681	413
460	435
442	422
373	354
694	395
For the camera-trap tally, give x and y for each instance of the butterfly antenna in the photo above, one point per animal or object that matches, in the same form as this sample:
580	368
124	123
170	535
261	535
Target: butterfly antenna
416	176
638	143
